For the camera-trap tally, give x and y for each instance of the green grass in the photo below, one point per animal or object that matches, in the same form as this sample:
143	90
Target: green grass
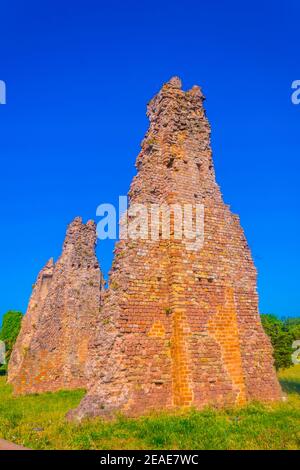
37	421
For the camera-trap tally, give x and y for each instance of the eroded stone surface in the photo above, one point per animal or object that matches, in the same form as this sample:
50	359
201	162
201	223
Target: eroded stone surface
179	327
51	350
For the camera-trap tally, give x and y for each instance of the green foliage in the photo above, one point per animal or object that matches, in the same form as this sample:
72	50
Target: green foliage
290	380
281	337
38	422
11	325
293	326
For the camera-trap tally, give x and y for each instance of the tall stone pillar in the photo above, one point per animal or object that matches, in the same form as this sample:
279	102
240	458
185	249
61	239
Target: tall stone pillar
180	325
51	350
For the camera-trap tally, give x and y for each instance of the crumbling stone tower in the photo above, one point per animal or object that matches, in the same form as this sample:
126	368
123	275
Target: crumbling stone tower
51	350
179	327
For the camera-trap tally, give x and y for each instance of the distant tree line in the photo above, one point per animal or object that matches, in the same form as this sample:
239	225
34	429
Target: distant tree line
282	333
11	325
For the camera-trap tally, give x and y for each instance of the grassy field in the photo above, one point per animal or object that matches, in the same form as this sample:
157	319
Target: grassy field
38	422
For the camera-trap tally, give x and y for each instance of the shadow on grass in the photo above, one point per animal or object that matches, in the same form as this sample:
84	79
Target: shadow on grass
2	372
290	386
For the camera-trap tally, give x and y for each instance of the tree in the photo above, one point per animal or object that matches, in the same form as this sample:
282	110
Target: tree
281	339
11	325
293	326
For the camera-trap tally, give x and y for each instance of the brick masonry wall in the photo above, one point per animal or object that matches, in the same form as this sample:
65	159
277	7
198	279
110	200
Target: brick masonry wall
52	347
179	328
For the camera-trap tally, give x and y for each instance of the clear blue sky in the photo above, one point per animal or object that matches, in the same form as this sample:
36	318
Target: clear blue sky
79	75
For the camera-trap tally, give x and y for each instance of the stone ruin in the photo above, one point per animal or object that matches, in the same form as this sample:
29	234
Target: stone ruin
177	327
52	347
